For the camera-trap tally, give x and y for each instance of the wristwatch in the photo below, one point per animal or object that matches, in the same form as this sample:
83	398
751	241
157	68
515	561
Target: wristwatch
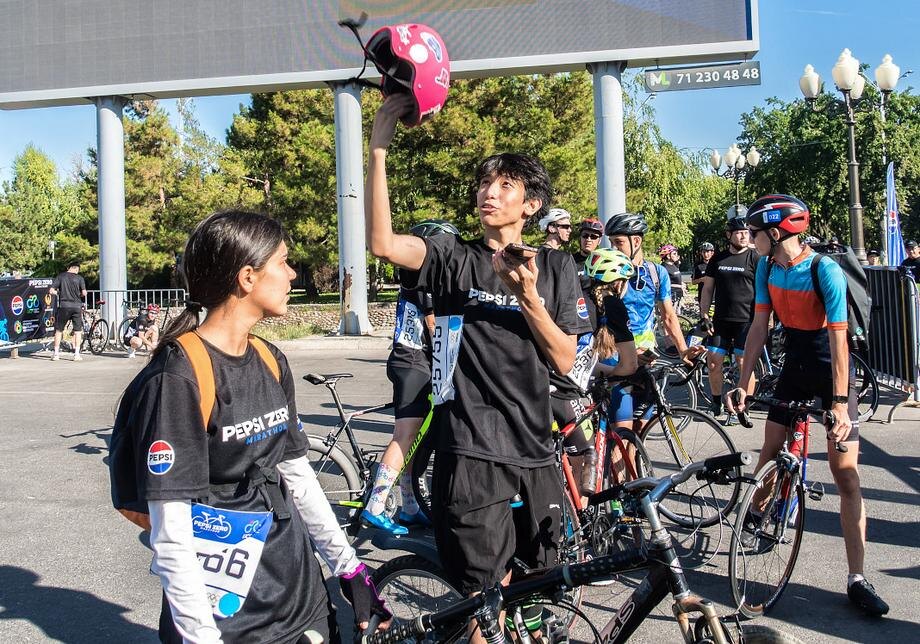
840	399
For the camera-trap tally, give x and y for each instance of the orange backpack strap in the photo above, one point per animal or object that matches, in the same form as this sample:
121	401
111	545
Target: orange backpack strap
267	356
197	354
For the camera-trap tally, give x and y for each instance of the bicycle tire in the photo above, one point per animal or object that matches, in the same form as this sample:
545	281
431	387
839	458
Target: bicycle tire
413	585
422	468
98	338
683	394
572	549
867	393
755	597
625	535
759	634
122	331
339	479
663	341
699	436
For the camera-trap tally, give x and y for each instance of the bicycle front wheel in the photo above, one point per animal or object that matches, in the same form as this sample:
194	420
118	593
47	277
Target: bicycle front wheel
98	337
412	586
122	332
339	478
866	388
674	440
763	551
422	468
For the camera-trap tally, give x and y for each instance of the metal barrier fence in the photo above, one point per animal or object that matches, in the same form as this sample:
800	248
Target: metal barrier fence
120	304
894	330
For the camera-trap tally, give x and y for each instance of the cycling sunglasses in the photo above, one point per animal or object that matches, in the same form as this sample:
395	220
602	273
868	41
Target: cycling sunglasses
590	236
563	226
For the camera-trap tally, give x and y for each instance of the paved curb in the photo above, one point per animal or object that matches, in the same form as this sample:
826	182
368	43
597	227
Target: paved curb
380	339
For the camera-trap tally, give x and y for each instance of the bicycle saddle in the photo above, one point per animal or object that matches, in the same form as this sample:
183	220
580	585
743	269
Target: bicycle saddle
321	379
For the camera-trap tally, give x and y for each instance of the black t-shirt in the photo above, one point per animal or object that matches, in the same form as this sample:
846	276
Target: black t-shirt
734	284
580	258
254	421
700	270
914	266
489	380
139	324
70	287
674	273
411	341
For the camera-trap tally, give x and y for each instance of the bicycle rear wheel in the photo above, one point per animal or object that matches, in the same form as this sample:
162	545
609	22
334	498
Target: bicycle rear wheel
678	388
664	341
673	441
759	571
412	586
122	331
422	467
572	549
614	532
98	338
339	478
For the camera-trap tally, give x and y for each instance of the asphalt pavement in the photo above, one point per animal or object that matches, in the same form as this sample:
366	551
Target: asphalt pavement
73	570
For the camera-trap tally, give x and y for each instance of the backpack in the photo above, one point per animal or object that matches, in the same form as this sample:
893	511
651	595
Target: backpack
122	472
859	300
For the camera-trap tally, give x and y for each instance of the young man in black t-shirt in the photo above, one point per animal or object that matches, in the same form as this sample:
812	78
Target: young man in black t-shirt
500	326
70	289
729	279
912	262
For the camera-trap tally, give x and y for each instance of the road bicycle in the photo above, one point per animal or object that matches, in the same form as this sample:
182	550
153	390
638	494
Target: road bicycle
764	549
675	436
346	477
427	609
95	331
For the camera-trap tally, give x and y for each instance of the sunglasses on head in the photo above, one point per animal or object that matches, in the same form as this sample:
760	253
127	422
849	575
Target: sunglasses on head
590	236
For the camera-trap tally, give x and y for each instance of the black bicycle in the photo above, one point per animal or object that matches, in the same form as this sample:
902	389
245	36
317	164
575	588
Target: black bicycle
421	615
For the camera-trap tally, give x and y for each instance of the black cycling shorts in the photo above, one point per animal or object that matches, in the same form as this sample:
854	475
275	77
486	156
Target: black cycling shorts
565	410
797	383
728	336
65	314
478	533
411	391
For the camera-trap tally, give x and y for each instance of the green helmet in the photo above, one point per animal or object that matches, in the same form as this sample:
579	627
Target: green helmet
608	265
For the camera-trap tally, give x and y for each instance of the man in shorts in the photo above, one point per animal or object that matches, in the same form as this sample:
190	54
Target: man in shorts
730	280
70	288
817	365
501	324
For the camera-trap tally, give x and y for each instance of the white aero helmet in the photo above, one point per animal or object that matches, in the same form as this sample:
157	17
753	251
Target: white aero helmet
554	215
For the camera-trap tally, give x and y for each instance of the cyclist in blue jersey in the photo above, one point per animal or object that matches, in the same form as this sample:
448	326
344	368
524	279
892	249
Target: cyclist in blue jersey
648	293
817	364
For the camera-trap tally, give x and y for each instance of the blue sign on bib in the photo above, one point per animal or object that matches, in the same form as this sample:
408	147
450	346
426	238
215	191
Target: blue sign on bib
229	546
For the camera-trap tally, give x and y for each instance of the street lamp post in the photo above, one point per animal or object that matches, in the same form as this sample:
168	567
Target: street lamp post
737	164
851	83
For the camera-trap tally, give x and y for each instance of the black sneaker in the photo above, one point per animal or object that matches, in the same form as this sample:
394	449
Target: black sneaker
716	407
863	594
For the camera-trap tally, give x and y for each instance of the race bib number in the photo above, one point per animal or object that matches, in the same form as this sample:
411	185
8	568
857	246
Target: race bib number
409	330
585	359
229	546
445	347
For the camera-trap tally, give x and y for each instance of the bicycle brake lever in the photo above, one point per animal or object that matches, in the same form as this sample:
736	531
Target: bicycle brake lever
829	421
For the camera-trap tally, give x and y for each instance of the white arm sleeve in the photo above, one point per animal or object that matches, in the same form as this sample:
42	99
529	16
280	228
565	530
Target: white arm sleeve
314	509
175	562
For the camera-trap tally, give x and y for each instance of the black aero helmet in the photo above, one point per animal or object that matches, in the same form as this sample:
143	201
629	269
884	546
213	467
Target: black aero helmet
432	227
736	223
779	211
626	223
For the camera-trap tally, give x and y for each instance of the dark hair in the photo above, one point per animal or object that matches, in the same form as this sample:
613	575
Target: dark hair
524	168
216	250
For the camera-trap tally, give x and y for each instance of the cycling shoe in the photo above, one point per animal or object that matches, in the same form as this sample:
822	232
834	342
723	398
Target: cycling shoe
382	522
418	519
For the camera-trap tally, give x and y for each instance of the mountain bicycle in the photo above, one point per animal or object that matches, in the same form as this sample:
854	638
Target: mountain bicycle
676	435
427	609
346	477
764	549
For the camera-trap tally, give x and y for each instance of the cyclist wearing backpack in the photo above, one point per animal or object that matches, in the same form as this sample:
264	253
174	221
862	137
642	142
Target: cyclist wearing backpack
817	362
208	442
409	369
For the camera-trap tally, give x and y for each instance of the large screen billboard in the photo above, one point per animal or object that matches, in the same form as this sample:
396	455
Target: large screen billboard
56	52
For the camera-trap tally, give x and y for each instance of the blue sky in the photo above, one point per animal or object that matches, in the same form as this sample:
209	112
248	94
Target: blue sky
792	34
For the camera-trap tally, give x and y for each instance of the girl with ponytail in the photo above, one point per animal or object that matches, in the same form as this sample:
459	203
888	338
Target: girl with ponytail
209	439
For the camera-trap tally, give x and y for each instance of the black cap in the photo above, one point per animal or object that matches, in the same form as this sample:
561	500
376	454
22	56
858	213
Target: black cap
872	251
911	244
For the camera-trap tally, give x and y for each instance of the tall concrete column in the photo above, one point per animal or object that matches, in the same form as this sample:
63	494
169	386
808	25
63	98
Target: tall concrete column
349	180
609	145
110	155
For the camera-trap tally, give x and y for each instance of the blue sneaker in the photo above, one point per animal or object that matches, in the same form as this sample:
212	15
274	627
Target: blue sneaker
382	522
418	519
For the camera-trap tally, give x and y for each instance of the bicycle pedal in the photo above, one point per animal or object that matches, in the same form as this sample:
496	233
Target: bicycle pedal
815	491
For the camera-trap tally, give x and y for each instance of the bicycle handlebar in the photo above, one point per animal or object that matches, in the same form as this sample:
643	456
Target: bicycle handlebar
828	419
565	576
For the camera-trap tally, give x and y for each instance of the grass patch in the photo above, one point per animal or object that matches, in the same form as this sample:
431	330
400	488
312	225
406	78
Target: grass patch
274	333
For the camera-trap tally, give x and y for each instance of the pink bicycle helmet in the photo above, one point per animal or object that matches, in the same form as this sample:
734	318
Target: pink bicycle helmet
667	249
412	58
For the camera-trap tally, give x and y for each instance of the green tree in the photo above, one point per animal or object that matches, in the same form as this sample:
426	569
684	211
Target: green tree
804	153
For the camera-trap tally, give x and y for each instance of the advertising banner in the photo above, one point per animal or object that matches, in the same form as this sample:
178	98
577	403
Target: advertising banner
26	310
